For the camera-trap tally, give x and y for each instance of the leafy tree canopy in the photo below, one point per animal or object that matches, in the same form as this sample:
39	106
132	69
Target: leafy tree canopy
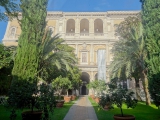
11	9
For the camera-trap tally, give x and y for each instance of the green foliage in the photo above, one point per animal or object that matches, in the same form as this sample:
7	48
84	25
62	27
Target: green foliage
155	89
33	28
105	100
118	96
21	94
25	91
99	86
46	100
24	94
150	20
6	65
74	75
55	57
141	111
130	53
11	9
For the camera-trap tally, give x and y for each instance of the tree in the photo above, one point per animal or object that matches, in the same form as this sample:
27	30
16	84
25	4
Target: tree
54	56
33	25
130	53
74	75
150	21
98	86
60	84
6	65
11	9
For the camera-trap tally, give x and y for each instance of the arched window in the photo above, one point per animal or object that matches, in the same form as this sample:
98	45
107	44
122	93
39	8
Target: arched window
12	32
84	58
51	29
84	27
70	26
98	26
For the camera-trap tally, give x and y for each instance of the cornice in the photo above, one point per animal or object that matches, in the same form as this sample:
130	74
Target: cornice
123	12
57	14
60	13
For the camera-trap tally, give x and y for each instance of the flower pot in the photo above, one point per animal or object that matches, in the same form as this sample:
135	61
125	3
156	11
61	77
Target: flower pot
107	107
59	103
97	99
32	115
92	96
124	117
73	97
67	98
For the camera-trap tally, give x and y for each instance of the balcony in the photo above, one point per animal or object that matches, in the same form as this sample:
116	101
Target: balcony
98	34
70	34
84	34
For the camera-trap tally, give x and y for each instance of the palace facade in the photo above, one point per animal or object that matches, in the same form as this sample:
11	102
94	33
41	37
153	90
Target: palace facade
86	32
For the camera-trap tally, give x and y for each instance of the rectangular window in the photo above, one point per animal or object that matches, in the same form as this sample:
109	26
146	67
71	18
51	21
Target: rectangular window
84	57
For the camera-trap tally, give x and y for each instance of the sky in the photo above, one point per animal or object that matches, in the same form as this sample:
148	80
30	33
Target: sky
84	6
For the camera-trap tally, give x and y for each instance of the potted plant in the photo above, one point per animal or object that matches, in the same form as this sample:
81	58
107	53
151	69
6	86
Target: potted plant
100	88
105	102
75	85
120	96
60	84
91	86
37	99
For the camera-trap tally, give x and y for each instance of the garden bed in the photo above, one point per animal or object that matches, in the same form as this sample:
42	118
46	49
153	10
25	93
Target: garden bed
141	112
59	113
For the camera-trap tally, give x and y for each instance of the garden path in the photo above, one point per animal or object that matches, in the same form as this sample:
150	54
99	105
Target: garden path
81	110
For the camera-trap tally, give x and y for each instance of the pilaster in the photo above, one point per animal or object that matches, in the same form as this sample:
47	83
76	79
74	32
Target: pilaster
77	26
91	55
91	26
107	54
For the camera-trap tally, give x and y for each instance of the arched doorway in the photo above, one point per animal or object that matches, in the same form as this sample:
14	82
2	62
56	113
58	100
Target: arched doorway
85	81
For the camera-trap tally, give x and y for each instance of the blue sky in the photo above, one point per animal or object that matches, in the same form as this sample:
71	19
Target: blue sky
85	6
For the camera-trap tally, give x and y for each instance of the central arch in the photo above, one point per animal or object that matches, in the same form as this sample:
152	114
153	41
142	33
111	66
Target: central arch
85	80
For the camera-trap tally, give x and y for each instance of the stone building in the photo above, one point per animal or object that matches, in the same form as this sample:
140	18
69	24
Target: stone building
86	32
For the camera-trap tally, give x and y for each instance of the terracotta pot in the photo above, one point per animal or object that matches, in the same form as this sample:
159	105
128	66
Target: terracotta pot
73	97
92	96
59	104
125	117
32	115
107	107
97	99
67	98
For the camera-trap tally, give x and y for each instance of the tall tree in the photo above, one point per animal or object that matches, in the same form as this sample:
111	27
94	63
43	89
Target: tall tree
150	20
10	9
6	65
130	53
33	25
